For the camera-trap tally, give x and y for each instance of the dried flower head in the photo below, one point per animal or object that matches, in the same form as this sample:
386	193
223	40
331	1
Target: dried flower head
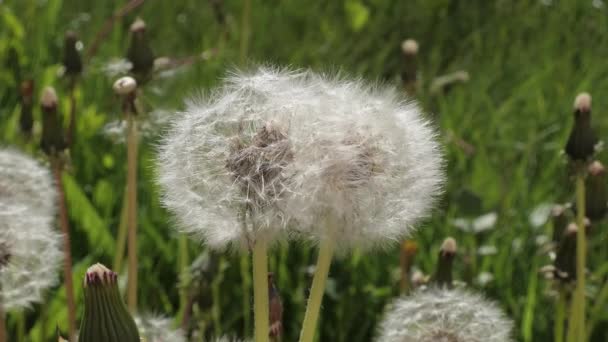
30	253
125	85
158	329
283	146
445	316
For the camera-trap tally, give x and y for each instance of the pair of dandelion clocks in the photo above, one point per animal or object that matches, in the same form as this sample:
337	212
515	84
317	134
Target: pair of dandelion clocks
292	149
30	249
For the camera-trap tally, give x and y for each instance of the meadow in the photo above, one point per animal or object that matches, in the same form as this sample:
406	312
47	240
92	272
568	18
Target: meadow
503	132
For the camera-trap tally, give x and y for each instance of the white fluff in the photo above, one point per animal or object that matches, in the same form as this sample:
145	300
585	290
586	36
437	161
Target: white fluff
27	213
333	147
437	315
158	329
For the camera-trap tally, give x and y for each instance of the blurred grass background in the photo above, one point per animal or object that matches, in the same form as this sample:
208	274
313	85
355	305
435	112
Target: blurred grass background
527	61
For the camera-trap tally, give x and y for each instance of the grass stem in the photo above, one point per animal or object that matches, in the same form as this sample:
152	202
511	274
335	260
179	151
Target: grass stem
132	211
326	251
57	167
260	290
581	253
121	239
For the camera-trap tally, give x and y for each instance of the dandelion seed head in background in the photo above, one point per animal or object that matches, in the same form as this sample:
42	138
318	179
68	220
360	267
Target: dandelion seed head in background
158	329
434	315
29	248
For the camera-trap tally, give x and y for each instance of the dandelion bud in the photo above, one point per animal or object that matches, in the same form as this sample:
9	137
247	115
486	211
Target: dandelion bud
582	141
52	140
596	200
125	85
26	119
443	276
140	53
565	259
106	318
71	56
559	220
409	75
438	315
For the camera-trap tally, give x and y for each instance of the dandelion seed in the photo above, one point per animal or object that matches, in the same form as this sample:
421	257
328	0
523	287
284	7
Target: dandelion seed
158	329
435	315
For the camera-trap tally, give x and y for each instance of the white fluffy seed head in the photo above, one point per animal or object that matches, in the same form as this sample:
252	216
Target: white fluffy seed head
158	329
437	315
29	247
125	85
582	102
295	147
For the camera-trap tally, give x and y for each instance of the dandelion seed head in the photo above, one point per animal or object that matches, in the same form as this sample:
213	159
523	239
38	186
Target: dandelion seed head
445	315
158	329
30	253
290	147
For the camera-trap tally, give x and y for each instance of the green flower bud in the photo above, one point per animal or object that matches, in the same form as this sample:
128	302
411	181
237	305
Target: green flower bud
52	141
106	318
447	253
582	140
71	57
140	53
565	259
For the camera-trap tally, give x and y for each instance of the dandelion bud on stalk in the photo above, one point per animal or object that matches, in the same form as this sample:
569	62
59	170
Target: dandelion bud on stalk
126	87
53	140
26	119
559	221
409	75
596	197
140	53
72	61
106	318
582	141
447	253
436	315
565	258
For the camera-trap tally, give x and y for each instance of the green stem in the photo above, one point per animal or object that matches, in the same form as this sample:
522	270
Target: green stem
597	308
132	211
326	251
260	290
560	316
121	239
581	253
184	262
246	285
2	325
20	326
245	30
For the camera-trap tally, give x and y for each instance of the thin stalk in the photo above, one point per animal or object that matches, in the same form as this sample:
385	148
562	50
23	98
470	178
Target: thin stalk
132	211
21	326
72	127
184	262
260	290
246	286
245	30
67	262
598	306
3	333
560	316
326	251
121	240
581	253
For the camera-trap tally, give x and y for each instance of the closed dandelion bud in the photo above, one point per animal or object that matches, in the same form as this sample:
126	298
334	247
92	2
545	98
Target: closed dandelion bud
26	119
582	141
443	276
565	259
596	200
140	53
52	141
71	57
106	318
439	315
409	75
126	87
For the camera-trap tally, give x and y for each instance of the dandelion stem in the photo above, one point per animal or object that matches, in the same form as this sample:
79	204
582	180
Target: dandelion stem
260	290
245	30
132	211
2	325
72	127
560	316
121	239
57	167
581	251
246	284
184	261
598	306
326	251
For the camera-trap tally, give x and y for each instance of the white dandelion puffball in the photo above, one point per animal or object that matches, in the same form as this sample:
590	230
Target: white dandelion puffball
158	329
290	148
30	250
437	315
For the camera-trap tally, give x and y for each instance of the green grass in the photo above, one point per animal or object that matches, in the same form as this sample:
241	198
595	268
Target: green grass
527	62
